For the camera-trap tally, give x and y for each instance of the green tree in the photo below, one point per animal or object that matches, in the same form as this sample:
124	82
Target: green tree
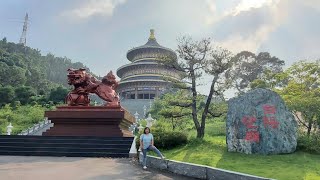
58	95
6	115
196	58
36	79
24	94
14	76
302	93
170	108
6	95
258	83
251	70
218	109
4	40
24	66
3	73
18	60
21	117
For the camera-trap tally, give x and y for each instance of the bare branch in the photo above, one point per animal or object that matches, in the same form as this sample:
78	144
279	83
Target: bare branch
181	104
214	115
179	116
298	118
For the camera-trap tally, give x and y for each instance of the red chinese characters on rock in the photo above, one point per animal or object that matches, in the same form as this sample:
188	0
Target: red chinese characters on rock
269	118
252	133
252	136
249	121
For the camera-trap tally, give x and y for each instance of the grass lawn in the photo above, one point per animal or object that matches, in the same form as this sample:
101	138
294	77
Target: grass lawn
212	151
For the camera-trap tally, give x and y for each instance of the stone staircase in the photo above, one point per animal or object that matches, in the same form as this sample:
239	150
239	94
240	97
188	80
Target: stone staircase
70	146
38	129
136	105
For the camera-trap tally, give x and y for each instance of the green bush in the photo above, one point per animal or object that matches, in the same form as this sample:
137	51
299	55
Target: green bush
21	117
165	139
169	139
309	144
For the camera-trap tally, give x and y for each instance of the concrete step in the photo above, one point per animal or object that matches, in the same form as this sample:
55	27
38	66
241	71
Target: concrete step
65	154
81	146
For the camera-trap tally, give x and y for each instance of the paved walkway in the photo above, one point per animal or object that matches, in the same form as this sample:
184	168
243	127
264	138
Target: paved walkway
69	168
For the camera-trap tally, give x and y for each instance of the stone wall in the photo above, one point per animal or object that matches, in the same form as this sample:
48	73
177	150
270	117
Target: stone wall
196	171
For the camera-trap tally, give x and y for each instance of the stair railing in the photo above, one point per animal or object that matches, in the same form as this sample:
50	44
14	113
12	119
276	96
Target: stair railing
35	127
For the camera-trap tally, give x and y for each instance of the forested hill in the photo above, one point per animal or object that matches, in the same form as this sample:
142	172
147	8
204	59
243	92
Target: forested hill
24	66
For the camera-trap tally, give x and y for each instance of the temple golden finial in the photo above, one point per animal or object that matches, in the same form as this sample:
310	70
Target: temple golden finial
152	34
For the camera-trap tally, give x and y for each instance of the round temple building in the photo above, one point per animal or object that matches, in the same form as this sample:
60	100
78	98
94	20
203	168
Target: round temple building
144	77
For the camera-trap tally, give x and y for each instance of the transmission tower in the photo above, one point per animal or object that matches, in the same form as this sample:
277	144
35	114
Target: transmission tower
23	38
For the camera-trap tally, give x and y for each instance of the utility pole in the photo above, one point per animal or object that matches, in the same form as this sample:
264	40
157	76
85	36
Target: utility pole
23	38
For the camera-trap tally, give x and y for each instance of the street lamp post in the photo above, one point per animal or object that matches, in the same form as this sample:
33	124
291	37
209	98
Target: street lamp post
9	129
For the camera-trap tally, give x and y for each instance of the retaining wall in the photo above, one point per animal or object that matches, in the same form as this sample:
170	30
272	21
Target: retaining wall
197	171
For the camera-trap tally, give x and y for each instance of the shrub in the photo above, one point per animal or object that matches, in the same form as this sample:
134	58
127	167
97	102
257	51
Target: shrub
165	139
309	144
169	139
21	117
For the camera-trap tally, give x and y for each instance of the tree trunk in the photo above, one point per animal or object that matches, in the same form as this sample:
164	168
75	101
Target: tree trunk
200	133
309	128
172	123
194	104
206	107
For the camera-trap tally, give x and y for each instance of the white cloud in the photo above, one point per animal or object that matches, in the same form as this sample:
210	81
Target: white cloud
315	4
92	8
237	8
212	16
277	14
238	42
247	5
212	5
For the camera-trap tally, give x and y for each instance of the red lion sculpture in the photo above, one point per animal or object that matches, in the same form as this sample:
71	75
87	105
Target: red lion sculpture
84	84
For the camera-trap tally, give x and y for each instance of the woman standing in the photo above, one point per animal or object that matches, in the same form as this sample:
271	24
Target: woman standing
147	144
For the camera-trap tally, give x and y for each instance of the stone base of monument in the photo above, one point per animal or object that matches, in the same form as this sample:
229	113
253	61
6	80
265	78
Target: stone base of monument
99	121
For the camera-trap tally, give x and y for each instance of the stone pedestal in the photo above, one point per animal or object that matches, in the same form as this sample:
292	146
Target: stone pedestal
97	121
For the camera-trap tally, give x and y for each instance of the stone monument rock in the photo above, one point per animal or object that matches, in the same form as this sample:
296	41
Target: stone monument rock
259	122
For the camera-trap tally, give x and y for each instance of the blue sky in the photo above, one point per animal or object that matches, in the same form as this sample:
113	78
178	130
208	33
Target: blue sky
98	33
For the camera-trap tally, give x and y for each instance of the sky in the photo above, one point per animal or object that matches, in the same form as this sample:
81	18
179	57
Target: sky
99	33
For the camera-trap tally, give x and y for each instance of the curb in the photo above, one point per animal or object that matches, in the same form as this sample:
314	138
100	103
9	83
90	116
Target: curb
197	171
